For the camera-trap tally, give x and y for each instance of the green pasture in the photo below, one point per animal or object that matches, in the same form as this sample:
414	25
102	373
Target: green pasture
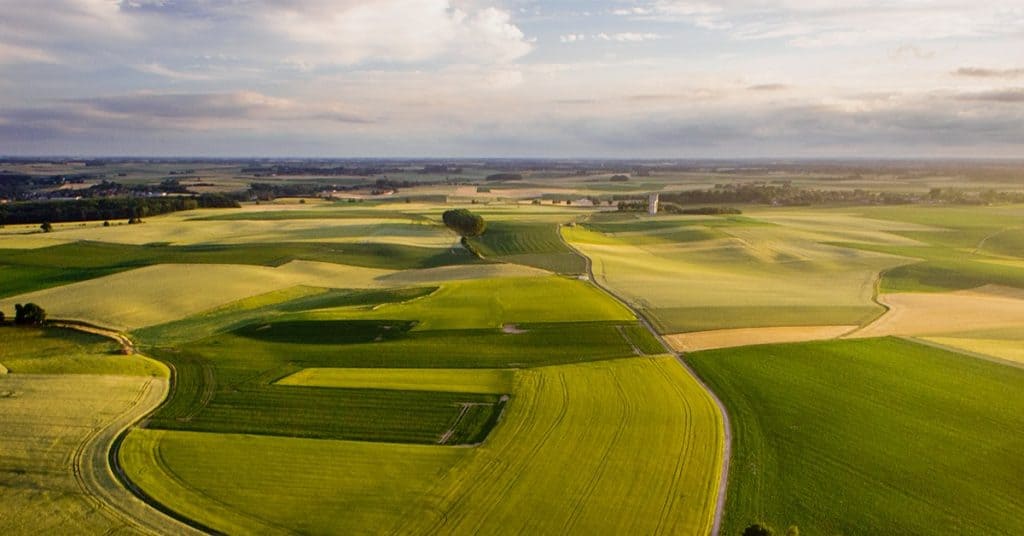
876	436
30	350
498	381
531	243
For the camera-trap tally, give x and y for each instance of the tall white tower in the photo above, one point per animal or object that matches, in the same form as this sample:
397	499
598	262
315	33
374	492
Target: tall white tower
652	204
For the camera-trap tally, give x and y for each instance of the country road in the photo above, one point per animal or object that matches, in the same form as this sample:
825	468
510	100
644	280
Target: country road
727	448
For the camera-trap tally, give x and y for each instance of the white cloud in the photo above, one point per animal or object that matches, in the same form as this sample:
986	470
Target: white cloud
629	37
572	38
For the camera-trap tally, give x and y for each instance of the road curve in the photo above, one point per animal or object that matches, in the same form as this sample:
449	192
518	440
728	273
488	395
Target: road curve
727	446
95	460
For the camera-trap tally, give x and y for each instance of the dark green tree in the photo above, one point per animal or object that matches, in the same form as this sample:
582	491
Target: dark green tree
464	222
758	529
46	227
29	314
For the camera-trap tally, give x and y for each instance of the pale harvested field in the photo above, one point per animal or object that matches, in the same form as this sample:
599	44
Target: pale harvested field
29	241
179	229
911	314
1005	349
161	293
730	338
57	430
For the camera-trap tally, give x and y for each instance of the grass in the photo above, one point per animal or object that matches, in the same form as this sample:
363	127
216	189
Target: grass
266	307
692	275
564	459
961	248
497	381
870	437
27	350
491	303
531	243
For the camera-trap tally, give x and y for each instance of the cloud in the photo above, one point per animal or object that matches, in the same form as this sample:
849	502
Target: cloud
981	72
1012	96
12	54
768	87
818	23
309	33
629	37
572	38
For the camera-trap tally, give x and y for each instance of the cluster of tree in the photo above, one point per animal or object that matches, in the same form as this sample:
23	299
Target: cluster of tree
500	177
619	178
782	193
284	170
465	223
29	314
673	208
438	169
21	186
762	529
107	208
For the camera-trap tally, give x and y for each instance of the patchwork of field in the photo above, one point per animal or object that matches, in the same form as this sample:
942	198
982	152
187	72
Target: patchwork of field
625	445
875	436
690	273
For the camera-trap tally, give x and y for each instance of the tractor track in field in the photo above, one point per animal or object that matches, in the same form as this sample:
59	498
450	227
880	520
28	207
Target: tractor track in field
727	448
97	468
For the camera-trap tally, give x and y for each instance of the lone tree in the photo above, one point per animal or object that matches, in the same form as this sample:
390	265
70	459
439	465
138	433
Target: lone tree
29	314
46	226
758	529
464	222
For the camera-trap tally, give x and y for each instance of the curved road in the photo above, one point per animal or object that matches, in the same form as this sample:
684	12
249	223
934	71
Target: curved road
97	478
727	449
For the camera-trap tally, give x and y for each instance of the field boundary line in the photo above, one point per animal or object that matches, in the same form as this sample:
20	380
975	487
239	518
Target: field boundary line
723	479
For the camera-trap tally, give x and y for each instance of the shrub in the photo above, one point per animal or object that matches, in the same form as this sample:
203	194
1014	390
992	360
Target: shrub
29	314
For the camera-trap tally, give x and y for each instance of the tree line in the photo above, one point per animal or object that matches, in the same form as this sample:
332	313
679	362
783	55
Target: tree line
107	208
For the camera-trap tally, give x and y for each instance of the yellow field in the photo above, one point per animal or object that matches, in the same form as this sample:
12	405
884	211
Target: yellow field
53	455
989	307
1005	349
613	447
496	381
34	240
463	272
161	293
729	338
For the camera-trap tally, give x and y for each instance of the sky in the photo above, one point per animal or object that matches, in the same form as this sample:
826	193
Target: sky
513	78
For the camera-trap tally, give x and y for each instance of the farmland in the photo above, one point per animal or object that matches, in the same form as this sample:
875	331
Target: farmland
350	367
934	435
556	414
65	397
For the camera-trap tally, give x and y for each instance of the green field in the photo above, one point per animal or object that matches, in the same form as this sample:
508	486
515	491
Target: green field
64	351
439	380
691	273
34	269
877	436
566	452
964	248
530	243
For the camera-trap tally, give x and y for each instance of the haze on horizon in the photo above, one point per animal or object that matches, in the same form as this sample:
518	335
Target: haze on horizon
568	78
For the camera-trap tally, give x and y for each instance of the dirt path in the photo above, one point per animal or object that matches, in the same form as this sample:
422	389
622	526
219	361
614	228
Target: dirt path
727	448
96	476
95	463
